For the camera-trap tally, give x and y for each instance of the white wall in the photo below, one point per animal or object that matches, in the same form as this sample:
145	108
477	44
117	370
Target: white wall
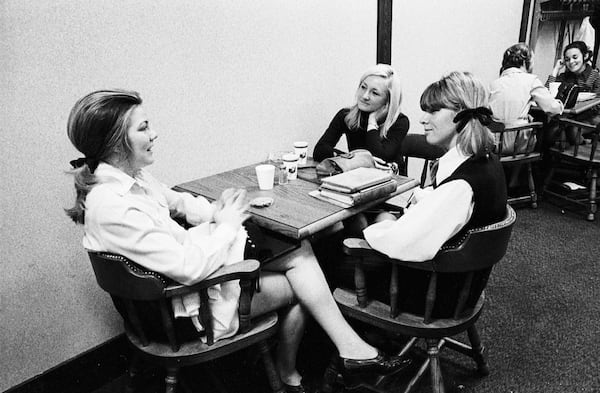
431	38
224	82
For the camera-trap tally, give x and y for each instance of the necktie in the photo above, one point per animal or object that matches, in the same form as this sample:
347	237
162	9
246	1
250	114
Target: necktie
433	168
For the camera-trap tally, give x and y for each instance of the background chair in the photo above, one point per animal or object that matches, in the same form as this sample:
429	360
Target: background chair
454	285
576	159
143	298
518	147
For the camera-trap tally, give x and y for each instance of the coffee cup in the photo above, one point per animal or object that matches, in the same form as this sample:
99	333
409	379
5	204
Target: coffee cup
301	150
265	173
291	165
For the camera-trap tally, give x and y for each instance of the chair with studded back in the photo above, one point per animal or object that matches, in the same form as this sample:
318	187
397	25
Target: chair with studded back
143	298
520	147
579	165
445	298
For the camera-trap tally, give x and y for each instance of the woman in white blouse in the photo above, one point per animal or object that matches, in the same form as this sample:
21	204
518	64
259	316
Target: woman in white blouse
125	210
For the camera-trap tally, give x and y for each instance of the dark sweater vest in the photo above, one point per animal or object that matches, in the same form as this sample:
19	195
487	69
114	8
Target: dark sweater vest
486	178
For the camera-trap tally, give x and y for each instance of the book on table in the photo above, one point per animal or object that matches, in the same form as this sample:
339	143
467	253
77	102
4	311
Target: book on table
361	196
355	180
361	185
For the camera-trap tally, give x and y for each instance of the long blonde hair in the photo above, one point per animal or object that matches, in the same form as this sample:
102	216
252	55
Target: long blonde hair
394	96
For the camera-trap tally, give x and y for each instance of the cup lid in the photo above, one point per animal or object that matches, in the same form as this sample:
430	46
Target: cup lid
300	144
290	157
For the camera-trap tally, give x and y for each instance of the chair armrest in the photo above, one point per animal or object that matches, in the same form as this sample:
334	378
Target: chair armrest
245	270
525	126
358	247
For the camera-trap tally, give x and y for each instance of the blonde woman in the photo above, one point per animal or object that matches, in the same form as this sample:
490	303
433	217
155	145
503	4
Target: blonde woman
374	122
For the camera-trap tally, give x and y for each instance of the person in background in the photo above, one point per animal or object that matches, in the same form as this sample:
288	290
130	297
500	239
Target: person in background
575	67
511	97
468	190
513	93
125	210
375	122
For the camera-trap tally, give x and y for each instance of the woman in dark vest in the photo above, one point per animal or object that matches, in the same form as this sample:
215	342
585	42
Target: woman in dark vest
469	188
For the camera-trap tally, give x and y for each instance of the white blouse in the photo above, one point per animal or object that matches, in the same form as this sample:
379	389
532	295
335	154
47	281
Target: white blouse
434	217
132	217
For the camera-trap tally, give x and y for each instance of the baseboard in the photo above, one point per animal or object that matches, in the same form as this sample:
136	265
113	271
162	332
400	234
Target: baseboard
83	373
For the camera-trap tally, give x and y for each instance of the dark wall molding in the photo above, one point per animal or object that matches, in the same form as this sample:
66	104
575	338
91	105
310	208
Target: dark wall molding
384	31
84	373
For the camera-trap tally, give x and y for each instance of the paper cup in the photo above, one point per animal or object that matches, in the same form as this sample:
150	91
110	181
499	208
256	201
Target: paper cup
301	150
291	165
553	87
265	174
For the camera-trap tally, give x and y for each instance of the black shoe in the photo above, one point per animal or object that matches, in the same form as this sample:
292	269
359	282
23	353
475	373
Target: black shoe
294	388
381	364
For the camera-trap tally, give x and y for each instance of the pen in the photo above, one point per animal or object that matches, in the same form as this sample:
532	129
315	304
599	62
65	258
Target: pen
410	200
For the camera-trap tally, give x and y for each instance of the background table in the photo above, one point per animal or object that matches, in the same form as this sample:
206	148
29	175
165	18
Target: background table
293	213
582	106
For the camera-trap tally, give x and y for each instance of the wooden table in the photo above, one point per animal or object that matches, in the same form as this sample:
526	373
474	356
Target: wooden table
293	213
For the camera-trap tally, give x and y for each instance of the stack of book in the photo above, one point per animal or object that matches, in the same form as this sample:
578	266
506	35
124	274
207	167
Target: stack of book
357	186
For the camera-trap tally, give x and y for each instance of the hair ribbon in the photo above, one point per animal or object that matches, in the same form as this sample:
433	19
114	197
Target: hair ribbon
92	163
481	113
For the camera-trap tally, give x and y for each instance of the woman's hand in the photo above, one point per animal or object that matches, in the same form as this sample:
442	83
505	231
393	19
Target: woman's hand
381	113
231	208
377	117
559	67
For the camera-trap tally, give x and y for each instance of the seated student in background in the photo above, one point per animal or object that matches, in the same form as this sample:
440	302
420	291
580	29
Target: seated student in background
513	93
374	122
575	67
511	97
469	189
125	210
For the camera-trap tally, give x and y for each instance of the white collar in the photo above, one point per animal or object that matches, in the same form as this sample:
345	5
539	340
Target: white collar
449	162
513	70
115	179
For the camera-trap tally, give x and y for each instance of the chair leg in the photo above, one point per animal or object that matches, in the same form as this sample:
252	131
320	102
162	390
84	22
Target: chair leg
171	380
531	183
548	178
478	350
592	204
330	376
272	375
437	382
134	367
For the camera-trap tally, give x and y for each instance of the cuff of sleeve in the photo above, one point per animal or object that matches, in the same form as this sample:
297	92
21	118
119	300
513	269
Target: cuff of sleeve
226	232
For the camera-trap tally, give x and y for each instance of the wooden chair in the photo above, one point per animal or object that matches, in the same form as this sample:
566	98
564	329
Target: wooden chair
465	264
515	155
143	298
582	158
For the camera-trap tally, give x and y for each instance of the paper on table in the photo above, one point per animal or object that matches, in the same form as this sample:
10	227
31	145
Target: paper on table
573	186
583	96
